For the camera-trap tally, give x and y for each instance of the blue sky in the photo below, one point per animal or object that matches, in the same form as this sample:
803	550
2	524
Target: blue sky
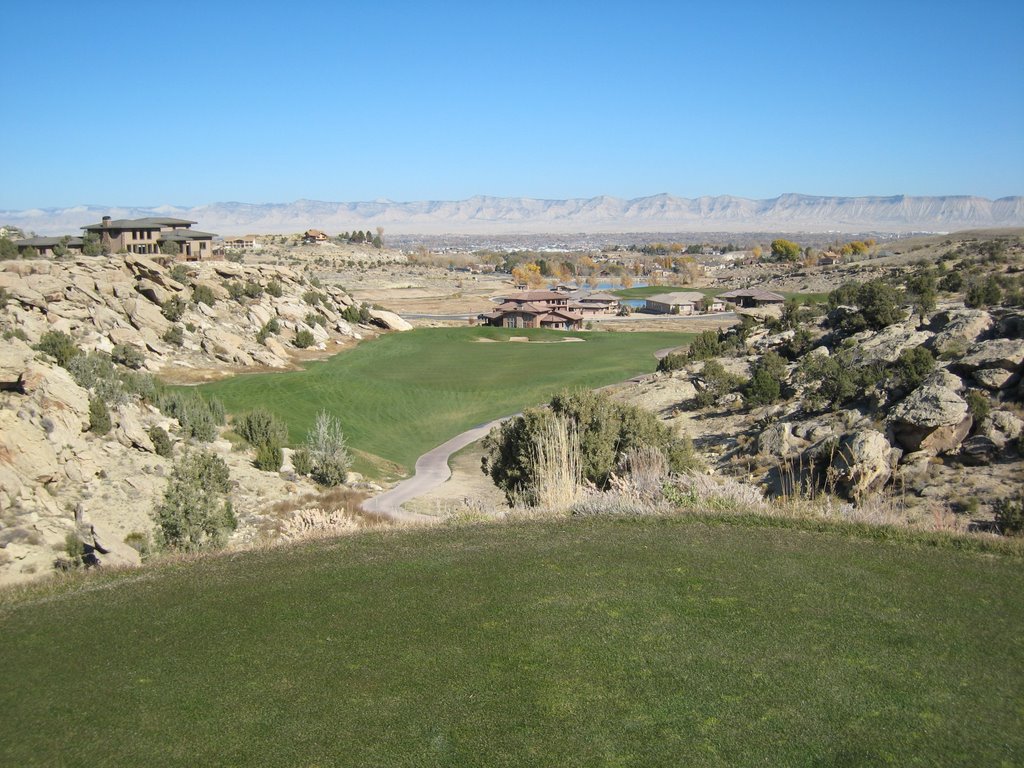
195	102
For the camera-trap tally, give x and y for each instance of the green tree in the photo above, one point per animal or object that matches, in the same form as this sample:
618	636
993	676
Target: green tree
91	244
765	385
194	513
30	253
922	291
169	248
8	250
304	339
99	416
786	250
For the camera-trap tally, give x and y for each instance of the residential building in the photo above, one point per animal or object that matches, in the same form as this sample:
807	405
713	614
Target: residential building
145	236
752	297
315	236
534	309
593	304
677	303
44	245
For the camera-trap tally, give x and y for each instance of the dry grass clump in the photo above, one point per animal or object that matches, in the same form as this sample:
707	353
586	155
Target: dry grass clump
334	512
557	467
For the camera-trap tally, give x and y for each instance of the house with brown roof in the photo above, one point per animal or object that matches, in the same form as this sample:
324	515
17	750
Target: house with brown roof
315	236
752	297
145	236
593	304
534	309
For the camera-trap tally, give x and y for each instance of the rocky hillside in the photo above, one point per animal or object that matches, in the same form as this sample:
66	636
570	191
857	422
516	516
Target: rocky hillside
923	413
60	477
497	215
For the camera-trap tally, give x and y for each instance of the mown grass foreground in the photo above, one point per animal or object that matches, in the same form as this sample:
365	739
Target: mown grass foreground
670	642
405	393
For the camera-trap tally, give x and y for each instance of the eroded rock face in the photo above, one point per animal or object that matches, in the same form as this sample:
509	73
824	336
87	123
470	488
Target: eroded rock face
931	418
887	345
1001	427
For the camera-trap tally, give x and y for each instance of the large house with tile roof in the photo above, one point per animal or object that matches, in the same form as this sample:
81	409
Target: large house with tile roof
534	309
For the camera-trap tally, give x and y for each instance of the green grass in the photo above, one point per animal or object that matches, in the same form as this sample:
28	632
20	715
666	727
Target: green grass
670	642
405	393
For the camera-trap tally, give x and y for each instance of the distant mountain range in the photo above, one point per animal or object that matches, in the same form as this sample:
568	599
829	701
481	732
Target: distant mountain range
523	215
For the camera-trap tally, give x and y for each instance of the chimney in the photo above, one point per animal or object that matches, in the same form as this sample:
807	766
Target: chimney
105	222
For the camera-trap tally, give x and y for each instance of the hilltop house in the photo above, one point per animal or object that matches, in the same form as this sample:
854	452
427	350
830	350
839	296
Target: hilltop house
534	309
145	236
752	297
315	236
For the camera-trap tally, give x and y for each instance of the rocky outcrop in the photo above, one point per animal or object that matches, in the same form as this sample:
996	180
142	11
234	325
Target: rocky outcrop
931	418
1007	354
389	320
959	328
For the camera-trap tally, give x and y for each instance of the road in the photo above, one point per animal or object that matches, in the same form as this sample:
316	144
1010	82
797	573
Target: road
431	471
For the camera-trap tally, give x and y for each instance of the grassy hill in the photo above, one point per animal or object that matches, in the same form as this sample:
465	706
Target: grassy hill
405	393
601	642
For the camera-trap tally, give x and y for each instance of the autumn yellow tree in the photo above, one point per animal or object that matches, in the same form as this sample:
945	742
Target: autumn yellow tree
528	275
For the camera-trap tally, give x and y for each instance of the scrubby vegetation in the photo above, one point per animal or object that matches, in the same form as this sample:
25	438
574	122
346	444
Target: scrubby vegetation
194	513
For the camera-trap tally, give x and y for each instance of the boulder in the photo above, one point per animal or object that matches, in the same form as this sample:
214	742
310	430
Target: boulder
978	451
295	313
129	431
862	463
777	440
276	348
15	356
58	395
1007	354
220	293
126	336
389	320
143	267
959	328
943	378
226	346
260	315
228	269
994	378
1001	427
142	314
887	345
931	418
152	291
109	550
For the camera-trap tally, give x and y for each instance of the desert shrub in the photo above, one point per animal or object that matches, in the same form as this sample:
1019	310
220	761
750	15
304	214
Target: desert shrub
717	382
312	297
173	308
261	427
983	293
978	403
99	416
74	548
606	431
356	313
911	367
302	462
199	418
274	289
673	362
236	291
140	542
705	347
315	318
765	385
4	297
194	513
270	327
175	335
128	355
876	302
97	372
268	458
1010	515
179	273
952	282
252	290
829	381
59	346
328	450
203	294
161	441
304	338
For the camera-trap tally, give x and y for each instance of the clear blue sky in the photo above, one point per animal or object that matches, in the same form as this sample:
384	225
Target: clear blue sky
195	102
